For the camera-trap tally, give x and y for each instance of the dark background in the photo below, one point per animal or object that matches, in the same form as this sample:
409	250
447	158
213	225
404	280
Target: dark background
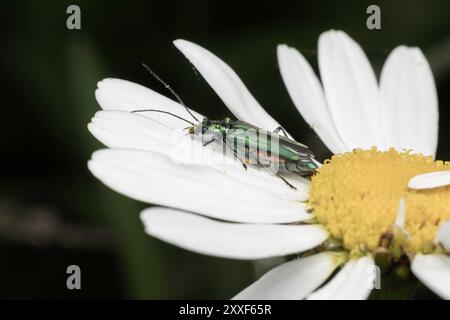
53	213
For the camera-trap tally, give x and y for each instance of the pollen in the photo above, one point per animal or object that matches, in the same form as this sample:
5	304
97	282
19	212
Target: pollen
356	196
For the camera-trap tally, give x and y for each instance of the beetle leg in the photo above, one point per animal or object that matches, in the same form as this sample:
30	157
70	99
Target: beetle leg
285	181
278	175
208	142
234	153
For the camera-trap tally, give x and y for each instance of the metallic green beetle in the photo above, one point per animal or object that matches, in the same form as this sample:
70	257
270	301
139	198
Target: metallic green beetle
250	144
258	146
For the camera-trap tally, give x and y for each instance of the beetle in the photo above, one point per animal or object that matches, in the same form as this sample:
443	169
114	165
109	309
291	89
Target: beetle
259	146
249	143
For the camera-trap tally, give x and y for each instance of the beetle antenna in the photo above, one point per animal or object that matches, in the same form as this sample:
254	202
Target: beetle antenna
162	111
170	89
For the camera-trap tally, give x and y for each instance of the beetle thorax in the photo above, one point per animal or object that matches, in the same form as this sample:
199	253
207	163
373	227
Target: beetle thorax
214	127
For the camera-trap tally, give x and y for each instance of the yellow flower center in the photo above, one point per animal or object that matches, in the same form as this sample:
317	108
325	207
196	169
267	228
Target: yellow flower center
356	196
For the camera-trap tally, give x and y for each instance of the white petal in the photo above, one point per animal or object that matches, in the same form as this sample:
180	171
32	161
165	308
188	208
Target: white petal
351	90
117	94
354	282
443	235
122	129
294	279
154	178
434	272
409	105
306	92
230	240
430	180
401	215
227	84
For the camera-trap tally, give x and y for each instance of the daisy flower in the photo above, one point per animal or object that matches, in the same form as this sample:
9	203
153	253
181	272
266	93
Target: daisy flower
357	207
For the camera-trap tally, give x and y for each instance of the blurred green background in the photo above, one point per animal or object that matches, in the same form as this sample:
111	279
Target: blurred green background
53	213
